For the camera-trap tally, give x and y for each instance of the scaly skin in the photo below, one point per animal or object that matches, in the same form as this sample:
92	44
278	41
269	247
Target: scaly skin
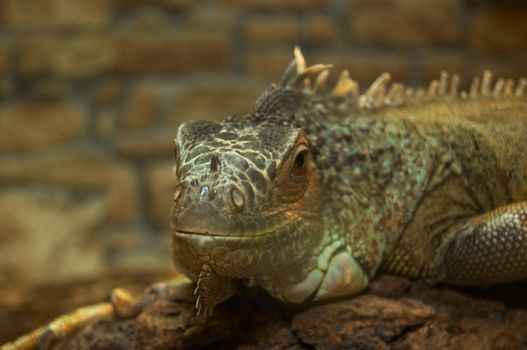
311	195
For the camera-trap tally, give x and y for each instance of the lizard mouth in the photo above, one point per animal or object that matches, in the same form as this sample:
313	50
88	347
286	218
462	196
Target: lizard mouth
248	235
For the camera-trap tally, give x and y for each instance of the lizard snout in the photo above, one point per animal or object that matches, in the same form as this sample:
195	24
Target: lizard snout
206	208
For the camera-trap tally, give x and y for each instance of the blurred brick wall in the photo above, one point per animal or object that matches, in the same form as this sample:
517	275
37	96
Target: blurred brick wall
91	93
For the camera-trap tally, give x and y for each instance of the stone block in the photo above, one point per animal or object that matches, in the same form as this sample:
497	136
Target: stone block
76	56
31	125
452	62
121	189
214	99
499	29
144	106
24	15
108	92
7	87
271	31
213	19
48	236
170	5
160	183
510	67
4	56
82	173
169	53
146	147
276	5
148	21
268	64
405	23
105	123
320	30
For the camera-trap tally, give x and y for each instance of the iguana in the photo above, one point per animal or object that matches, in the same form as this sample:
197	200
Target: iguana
312	194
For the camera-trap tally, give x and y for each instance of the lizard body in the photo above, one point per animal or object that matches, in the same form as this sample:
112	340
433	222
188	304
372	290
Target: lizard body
311	195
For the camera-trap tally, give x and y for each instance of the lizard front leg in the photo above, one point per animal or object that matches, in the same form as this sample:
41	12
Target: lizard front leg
488	249
122	306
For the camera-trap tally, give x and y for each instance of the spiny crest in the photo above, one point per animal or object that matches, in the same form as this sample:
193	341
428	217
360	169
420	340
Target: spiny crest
383	93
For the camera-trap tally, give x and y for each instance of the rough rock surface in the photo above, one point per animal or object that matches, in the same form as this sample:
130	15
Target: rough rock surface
393	314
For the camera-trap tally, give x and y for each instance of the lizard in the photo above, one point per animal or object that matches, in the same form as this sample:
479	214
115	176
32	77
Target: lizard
313	193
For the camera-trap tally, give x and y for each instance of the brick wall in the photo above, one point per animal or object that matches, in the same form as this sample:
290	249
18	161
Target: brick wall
91	93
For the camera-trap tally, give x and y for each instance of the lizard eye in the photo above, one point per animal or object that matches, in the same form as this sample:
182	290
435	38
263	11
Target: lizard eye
300	161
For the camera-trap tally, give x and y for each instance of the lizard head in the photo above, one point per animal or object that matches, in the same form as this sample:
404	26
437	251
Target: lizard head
246	201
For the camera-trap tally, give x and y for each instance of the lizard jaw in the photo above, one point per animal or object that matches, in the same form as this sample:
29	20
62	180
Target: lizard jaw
206	233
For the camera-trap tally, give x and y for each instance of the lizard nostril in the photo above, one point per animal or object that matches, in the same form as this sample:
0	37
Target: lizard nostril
177	192
204	192
237	198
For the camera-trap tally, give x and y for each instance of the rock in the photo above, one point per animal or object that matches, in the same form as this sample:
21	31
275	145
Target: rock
413	315
368	321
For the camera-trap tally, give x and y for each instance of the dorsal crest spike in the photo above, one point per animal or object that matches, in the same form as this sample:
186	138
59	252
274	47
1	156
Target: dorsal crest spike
474	88
443	83
454	86
509	86
486	83
345	86
378	84
382	93
521	87
289	74
432	91
498	88
298	74
395	96
320	81
300	61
